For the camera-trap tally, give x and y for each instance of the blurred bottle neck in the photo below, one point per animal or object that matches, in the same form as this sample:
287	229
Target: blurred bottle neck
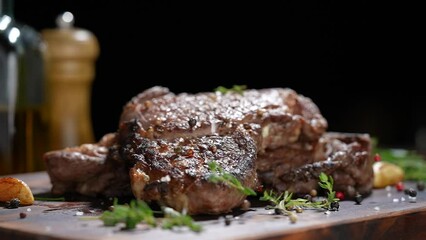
6	8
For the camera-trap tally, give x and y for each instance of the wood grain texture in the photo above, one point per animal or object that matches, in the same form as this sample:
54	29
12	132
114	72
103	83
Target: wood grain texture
59	220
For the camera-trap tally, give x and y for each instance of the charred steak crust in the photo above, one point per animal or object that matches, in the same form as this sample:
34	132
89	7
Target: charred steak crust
175	172
345	156
89	169
284	116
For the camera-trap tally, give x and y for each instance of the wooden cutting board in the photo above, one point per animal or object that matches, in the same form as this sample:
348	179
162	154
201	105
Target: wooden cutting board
383	215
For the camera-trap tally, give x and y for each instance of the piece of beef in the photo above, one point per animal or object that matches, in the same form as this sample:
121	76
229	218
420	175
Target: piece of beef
89	169
283	116
175	172
346	157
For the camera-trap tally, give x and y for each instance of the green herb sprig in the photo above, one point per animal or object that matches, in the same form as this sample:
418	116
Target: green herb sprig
219	175
138	211
327	182
235	89
132	214
173	218
284	203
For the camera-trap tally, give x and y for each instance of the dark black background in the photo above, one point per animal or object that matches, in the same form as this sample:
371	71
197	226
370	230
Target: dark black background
353	58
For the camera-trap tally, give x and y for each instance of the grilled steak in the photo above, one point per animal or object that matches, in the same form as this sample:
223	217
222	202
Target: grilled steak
344	156
165	141
175	172
282	116
89	169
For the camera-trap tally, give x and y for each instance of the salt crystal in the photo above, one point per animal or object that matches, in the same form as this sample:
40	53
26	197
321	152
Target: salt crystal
389	194
327	212
402	199
388	188
395	200
79	213
376	208
28	209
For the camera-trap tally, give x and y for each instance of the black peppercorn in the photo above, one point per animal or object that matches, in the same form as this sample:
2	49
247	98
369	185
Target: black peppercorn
22	215
358	198
13	203
228	220
192	122
334	206
411	192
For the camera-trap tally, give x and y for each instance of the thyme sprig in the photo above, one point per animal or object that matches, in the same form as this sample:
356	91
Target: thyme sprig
235	89
327	182
132	214
284	203
138	211
173	218
219	175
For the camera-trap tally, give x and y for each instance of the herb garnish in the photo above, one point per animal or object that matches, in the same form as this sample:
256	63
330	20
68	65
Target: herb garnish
174	218
138	211
219	175
236	89
132	214
327	182
284	203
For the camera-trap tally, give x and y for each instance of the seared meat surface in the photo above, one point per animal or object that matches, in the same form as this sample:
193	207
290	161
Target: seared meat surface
175	172
282	116
89	169
344	156
165	141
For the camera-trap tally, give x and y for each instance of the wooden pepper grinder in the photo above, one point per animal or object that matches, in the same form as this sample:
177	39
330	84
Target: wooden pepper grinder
70	57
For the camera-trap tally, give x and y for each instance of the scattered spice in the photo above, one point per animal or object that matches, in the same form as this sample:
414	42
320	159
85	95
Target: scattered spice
192	122
340	195
334	206
22	215
399	186
228	220
420	185
246	205
411	192
13	203
293	218
377	158
358	199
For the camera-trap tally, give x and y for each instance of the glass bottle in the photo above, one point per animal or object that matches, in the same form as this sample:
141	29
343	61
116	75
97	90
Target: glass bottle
21	95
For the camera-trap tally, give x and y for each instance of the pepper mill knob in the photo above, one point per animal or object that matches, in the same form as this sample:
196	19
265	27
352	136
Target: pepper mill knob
70	57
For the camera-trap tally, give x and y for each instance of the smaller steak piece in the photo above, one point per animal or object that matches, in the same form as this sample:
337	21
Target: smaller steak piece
175	172
347	159
90	169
